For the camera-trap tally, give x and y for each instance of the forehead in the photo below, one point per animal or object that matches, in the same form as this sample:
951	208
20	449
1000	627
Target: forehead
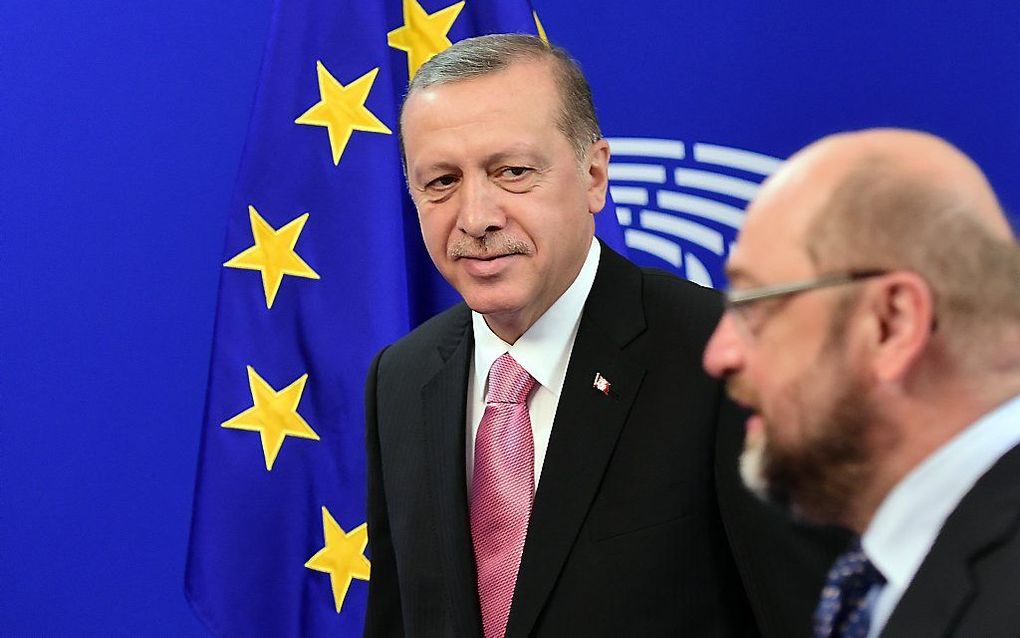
520	100
772	245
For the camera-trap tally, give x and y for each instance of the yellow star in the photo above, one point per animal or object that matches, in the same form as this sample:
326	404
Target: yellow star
274	415
541	29
343	557
273	253
423	35
341	109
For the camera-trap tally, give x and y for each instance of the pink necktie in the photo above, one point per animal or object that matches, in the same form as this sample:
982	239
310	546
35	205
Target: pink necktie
502	488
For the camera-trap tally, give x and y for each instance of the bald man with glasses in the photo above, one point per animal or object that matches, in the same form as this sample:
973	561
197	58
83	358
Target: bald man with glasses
873	329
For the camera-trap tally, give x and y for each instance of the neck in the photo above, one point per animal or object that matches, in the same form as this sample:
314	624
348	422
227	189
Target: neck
915	427
510	328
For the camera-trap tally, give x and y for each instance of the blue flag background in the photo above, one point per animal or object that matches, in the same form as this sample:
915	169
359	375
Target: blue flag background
122	127
344	281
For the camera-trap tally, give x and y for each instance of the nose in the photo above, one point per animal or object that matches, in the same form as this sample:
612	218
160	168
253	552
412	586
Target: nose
724	354
480	209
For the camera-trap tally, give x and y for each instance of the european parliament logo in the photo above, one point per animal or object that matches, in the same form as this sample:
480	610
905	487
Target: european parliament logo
681	205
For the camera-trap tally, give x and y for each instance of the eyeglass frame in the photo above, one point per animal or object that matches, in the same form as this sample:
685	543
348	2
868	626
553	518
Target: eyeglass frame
737	299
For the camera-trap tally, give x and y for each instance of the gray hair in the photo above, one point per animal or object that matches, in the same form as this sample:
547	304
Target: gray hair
878	217
487	54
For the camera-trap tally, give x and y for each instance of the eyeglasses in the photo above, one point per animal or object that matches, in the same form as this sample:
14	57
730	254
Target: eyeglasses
742	303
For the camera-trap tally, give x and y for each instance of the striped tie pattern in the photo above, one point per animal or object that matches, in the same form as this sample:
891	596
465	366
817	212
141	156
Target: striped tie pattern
843	610
502	490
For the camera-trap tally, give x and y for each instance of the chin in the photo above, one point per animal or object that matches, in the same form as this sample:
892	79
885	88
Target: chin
754	471
488	306
751	466
491	299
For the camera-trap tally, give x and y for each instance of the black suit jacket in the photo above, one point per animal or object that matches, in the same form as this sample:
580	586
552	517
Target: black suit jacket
640	526
969	583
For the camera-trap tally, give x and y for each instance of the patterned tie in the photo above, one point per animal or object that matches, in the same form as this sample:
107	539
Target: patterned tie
843	610
502	488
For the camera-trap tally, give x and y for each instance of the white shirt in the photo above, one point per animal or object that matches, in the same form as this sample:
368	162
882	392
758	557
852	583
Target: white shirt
909	519
544	351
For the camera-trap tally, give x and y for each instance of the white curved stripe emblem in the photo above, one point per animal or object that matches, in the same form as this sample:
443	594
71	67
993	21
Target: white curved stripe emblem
662	248
681	210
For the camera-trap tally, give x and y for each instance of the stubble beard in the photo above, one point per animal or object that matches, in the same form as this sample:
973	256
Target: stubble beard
817	478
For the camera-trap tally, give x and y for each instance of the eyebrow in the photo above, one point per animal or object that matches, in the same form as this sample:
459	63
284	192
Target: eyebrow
732	272
516	152
736	272
434	168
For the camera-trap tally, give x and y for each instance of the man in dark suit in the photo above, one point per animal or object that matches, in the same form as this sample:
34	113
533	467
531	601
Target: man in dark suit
548	458
874	329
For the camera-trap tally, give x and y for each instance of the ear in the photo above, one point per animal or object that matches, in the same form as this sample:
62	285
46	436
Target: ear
903	311
597	175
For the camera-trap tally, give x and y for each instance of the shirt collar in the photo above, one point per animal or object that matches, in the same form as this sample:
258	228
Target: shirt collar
544	350
909	519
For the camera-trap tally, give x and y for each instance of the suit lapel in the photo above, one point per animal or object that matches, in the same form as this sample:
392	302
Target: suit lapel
585	431
443	400
944	584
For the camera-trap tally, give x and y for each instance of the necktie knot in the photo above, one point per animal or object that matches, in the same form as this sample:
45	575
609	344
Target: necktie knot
843	609
508	381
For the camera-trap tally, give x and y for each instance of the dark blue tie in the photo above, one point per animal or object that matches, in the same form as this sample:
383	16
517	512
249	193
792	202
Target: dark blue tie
843	610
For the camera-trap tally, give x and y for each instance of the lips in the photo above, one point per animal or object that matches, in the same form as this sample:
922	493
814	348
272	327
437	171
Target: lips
740	392
484	257
755	426
755	422
488	265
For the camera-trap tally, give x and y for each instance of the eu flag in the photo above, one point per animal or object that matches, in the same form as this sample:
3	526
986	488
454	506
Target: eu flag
323	265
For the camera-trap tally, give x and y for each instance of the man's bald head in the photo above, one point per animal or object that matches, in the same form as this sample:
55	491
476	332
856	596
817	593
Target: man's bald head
905	200
910	156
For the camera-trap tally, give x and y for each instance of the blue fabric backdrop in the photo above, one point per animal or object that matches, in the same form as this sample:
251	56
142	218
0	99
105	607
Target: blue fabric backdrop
125	185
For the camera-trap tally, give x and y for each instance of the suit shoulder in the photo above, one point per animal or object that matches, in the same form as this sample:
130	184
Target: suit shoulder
680	299
448	327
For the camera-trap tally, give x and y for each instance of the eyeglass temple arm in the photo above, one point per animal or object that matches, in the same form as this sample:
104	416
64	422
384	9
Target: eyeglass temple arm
742	297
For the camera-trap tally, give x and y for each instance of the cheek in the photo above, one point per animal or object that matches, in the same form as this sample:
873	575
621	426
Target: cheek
781	404
802	407
435	228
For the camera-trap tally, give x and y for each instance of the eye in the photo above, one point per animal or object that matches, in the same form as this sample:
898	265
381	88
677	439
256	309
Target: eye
513	172
441	183
515	179
754	314
749	314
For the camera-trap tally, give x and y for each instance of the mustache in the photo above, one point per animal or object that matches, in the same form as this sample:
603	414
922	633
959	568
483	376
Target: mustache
488	246
741	392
